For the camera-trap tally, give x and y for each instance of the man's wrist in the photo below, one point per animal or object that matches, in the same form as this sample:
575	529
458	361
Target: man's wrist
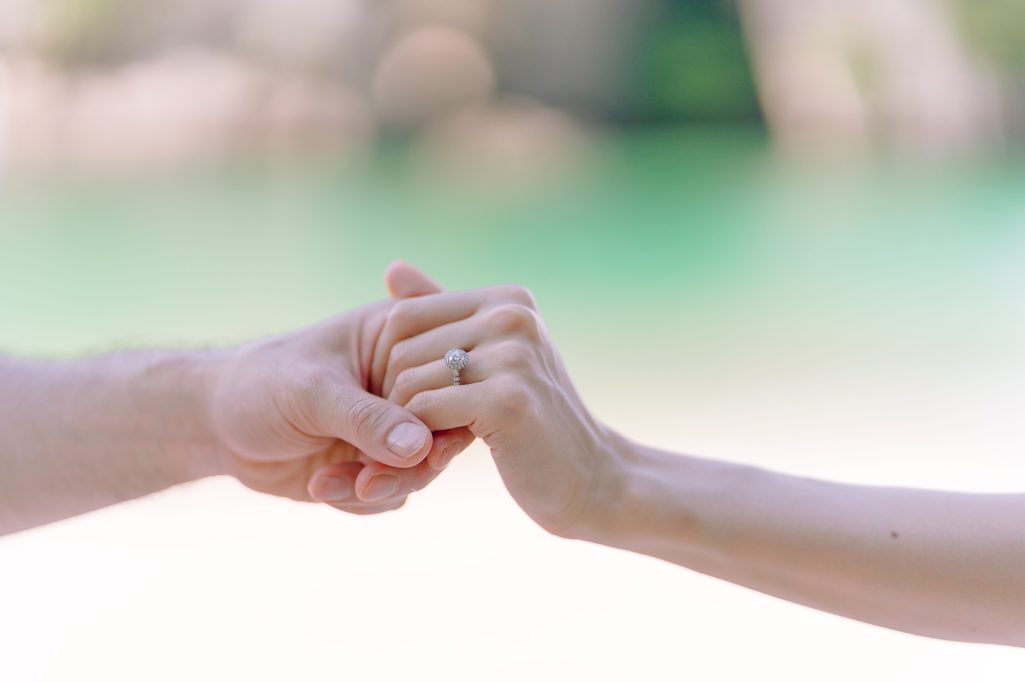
84	434
203	453
171	395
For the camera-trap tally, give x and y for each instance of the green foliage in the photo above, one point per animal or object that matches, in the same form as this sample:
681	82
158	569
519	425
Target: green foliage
995	28
80	30
693	64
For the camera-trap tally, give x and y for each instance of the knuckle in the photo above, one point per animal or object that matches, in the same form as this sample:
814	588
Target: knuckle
420	404
397	355
517	402
399	316
513	355
514	319
403	382
518	294
367	415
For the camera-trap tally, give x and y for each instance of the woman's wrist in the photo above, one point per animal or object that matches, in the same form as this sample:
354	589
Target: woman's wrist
612	493
662	504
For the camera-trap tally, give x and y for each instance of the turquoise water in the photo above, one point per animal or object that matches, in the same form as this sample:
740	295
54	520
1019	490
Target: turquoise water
854	322
686	231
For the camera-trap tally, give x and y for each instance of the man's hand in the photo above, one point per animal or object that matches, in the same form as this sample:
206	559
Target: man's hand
296	418
289	415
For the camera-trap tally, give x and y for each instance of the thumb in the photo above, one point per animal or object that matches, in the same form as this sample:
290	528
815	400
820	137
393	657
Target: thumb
383	431
404	280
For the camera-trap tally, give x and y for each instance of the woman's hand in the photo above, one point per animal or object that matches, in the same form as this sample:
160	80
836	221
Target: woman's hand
552	454
295	419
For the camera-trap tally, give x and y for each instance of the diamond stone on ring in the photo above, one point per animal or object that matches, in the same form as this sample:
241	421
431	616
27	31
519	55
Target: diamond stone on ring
456	359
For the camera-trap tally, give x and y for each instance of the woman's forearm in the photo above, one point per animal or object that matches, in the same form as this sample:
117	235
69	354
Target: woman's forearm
79	435
946	565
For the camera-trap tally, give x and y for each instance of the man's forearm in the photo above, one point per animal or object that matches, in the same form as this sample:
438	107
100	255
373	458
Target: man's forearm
78	435
946	565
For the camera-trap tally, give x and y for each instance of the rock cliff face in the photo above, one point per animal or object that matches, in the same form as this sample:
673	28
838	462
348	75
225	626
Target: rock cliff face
143	82
855	74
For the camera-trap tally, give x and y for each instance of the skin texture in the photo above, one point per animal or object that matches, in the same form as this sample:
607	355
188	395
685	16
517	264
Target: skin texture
289	416
940	564
299	415
517	374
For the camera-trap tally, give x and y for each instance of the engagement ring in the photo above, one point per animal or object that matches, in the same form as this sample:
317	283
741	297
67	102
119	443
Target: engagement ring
456	359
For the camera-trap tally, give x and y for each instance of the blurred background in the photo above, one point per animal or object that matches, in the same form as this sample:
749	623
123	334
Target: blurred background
810	214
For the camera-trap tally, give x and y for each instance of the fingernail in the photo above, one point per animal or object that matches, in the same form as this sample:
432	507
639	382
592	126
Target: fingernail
332	489
381	486
407	439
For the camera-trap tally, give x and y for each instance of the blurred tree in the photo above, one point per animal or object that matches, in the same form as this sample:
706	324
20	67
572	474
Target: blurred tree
692	64
996	29
626	61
